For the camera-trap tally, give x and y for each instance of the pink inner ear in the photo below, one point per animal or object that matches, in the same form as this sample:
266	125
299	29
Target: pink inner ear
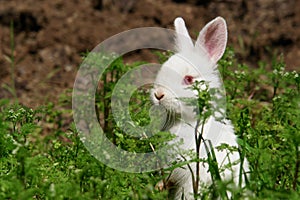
211	40
215	40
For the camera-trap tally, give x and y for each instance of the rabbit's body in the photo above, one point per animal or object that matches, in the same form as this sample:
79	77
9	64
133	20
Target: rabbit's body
181	178
195	61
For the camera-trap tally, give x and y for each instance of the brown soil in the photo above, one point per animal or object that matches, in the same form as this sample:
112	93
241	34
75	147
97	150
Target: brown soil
51	35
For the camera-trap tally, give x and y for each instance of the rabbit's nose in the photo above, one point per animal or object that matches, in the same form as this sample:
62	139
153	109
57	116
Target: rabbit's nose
159	95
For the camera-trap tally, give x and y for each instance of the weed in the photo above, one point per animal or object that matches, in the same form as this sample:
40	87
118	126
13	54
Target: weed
263	106
11	59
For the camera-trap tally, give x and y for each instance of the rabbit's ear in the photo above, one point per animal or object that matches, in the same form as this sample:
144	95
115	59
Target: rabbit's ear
213	37
183	39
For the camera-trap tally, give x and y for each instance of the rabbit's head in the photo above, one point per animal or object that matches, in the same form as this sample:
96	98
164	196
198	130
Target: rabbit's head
192	61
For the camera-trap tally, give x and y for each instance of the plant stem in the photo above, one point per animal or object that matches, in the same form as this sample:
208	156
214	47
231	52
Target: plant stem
12	60
296	168
198	142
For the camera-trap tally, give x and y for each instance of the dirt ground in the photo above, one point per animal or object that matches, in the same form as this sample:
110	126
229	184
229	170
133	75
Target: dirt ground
51	35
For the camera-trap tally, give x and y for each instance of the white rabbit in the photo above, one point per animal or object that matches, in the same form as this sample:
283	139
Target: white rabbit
195	61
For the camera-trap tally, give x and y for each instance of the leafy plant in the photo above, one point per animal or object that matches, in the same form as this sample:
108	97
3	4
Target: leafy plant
43	158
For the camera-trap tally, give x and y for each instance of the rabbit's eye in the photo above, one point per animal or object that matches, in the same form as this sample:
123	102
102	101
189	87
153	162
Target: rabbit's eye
188	80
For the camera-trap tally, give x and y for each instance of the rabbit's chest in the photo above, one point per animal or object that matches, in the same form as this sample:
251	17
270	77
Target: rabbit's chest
213	132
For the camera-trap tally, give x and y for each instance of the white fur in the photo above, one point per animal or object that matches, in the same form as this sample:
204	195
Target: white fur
200	61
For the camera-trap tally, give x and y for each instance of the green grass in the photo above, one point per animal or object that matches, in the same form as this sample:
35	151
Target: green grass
42	159
11	60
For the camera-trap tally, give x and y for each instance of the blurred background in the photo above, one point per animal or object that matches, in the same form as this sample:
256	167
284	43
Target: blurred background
43	48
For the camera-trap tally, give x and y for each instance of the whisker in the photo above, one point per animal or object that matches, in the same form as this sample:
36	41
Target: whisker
170	119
